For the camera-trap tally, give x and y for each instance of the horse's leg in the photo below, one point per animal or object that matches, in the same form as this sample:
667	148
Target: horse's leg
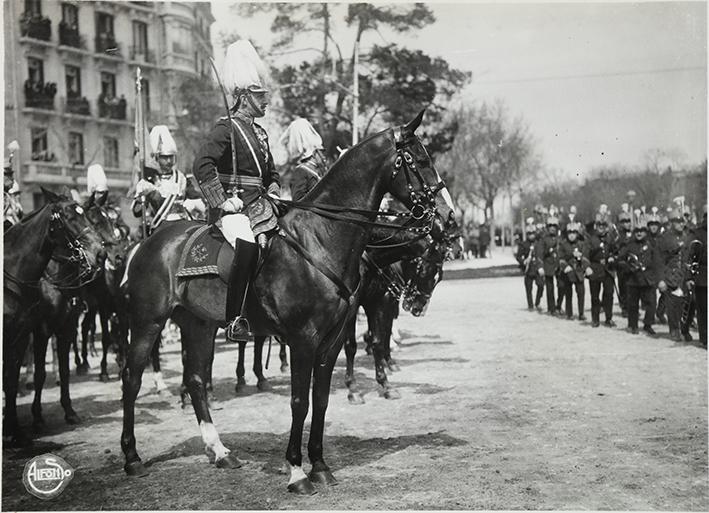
379	317
353	394
143	338
240	372
65	337
14	347
300	376
184	392
88	327
322	376
262	383
196	337
283	355
40	341
160	385
106	340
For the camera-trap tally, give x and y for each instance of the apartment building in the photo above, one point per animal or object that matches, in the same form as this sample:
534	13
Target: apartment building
70	82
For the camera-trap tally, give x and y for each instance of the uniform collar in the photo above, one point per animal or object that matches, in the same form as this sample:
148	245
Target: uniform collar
245	118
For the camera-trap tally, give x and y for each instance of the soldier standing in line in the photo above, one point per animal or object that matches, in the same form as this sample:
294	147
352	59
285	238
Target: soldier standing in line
697	279
529	264
547	250
670	247
575	266
638	259
625	235
602	255
654	228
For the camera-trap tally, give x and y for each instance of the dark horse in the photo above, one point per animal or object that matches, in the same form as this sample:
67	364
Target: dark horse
58	231
58	314
303	291
417	269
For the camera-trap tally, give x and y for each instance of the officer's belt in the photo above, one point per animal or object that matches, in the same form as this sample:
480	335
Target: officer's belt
240	182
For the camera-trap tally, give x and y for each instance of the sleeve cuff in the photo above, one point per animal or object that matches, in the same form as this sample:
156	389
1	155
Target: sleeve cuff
213	192
274	189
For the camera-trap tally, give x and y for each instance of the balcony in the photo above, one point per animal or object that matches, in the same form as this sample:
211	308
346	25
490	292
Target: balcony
142	55
39	95
69	36
112	108
77	105
106	45
35	26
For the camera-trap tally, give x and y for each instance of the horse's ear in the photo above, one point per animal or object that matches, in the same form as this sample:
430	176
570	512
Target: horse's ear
49	196
412	125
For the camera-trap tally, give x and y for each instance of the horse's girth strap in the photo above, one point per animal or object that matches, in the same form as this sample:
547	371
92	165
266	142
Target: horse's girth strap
342	289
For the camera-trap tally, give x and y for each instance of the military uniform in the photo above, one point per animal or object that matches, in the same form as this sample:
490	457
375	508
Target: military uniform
624	236
669	247
603	251
638	259
547	254
305	148
700	280
529	264
573	263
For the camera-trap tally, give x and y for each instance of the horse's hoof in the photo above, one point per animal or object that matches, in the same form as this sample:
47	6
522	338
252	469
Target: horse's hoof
302	487
228	461
72	418
82	370
355	398
393	366
392	393
104	378
284	367
240	386
264	385
135	469
323	477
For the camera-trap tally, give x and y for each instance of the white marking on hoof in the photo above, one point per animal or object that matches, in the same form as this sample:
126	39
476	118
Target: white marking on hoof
296	474
211	440
159	383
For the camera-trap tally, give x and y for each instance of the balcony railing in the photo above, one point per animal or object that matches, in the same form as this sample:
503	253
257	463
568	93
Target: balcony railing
36	26
108	42
39	95
141	54
69	36
77	105
112	108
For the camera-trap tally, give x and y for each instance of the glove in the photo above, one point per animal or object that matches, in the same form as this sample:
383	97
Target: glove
678	292
567	269
144	187
541	271
662	286
588	271
232	205
274	190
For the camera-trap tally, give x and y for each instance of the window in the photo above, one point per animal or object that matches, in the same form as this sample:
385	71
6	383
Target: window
39	143
181	40
108	84
33	7
70	16
110	152
104	24
73	82
76	148
35	68
140	37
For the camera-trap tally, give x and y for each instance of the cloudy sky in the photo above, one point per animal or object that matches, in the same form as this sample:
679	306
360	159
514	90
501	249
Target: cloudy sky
598	83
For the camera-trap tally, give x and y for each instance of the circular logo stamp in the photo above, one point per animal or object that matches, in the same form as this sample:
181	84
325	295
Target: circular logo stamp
47	476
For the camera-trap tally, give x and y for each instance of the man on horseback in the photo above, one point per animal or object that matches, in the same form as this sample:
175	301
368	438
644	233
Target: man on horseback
164	186
305	147
96	185
235	178
13	212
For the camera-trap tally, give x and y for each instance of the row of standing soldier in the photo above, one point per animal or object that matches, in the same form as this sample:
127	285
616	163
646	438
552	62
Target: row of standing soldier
643	253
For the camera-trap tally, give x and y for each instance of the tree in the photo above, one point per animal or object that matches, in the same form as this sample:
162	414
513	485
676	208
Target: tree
491	154
394	82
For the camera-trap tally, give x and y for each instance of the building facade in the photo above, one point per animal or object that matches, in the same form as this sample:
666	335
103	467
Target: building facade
70	82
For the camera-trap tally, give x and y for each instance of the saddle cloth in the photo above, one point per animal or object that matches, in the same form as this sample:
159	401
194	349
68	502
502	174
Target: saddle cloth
206	252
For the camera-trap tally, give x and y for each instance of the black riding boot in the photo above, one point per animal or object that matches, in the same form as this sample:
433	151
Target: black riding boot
242	267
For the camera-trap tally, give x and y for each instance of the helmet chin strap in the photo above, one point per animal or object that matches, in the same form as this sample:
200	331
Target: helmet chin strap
255	108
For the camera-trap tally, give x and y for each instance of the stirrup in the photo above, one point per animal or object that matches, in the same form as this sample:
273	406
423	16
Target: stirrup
238	329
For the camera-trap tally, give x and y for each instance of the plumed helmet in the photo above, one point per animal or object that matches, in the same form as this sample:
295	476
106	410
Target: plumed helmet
96	179
243	70
640	220
301	139
625	214
161	141
653	217
530	227
573	227
572	209
601	218
676	215
552	220
12	148
15	189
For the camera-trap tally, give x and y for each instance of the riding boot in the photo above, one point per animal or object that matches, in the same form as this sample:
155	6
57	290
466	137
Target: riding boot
242	267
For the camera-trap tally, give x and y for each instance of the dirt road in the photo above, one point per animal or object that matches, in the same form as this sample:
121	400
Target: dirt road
500	409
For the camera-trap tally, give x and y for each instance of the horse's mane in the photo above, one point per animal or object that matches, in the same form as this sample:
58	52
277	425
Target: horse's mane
33	214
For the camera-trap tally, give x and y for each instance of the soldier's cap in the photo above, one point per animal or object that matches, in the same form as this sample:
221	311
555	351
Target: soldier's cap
573	227
624	217
530	228
552	221
653	219
640	226
601	219
676	215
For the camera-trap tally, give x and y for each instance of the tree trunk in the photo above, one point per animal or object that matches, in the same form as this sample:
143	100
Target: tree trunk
491	226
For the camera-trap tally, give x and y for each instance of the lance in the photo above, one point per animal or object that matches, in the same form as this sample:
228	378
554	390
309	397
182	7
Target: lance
140	125
228	114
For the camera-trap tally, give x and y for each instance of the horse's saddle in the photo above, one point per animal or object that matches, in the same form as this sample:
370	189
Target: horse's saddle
206	252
